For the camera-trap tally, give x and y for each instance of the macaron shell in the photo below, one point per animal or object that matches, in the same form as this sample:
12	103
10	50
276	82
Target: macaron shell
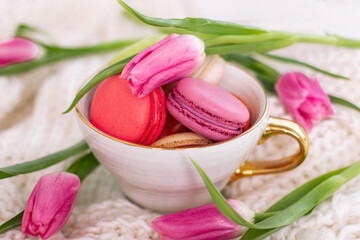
212	101
247	125
115	110
207	109
179	140
197	124
158	117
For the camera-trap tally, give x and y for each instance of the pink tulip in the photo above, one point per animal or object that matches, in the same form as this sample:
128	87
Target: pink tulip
50	204
202	223
304	98
17	50
165	62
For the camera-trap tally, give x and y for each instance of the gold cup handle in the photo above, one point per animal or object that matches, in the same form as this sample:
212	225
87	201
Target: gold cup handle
277	126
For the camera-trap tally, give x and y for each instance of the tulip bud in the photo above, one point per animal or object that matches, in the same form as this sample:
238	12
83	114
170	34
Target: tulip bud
202	223
17	50
167	61
304	98
211	70
50	204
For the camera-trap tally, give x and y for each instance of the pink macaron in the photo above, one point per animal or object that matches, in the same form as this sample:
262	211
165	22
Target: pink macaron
208	109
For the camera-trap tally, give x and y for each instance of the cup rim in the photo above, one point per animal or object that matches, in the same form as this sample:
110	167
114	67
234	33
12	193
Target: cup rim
253	126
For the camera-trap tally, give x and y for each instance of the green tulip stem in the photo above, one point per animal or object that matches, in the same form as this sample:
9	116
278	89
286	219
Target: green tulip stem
54	53
261	46
136	47
226	39
230	40
102	47
327	40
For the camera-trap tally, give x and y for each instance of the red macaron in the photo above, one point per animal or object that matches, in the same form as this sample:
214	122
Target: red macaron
116	111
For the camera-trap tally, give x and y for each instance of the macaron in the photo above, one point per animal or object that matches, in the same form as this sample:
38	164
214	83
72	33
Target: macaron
178	140
211	70
116	111
207	109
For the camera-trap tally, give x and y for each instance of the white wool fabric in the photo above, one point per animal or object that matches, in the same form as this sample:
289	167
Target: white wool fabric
32	126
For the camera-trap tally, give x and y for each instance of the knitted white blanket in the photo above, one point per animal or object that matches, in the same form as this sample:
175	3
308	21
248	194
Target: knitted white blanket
31	123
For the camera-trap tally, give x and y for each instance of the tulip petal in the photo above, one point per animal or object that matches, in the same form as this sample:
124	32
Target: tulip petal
27	214
50	204
167	76
143	54
316	93
303	119
169	60
205	222
17	50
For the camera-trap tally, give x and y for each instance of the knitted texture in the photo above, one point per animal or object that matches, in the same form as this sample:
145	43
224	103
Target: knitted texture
31	124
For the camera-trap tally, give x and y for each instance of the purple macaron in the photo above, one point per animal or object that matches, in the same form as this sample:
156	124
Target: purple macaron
207	109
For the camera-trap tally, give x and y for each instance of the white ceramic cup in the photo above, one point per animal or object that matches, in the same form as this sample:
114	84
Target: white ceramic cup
166	180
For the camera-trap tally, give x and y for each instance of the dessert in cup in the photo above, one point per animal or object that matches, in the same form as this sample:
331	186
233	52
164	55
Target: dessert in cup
161	177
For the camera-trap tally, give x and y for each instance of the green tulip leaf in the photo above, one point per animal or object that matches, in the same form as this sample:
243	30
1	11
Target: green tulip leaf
43	162
302	190
103	74
259	234
84	166
200	25
136	47
22	30
343	102
311	199
259	47
300	63
214	27
240	39
301	206
293	197
12	223
220	202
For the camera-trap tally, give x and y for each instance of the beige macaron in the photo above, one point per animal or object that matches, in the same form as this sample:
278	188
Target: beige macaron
179	140
211	70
